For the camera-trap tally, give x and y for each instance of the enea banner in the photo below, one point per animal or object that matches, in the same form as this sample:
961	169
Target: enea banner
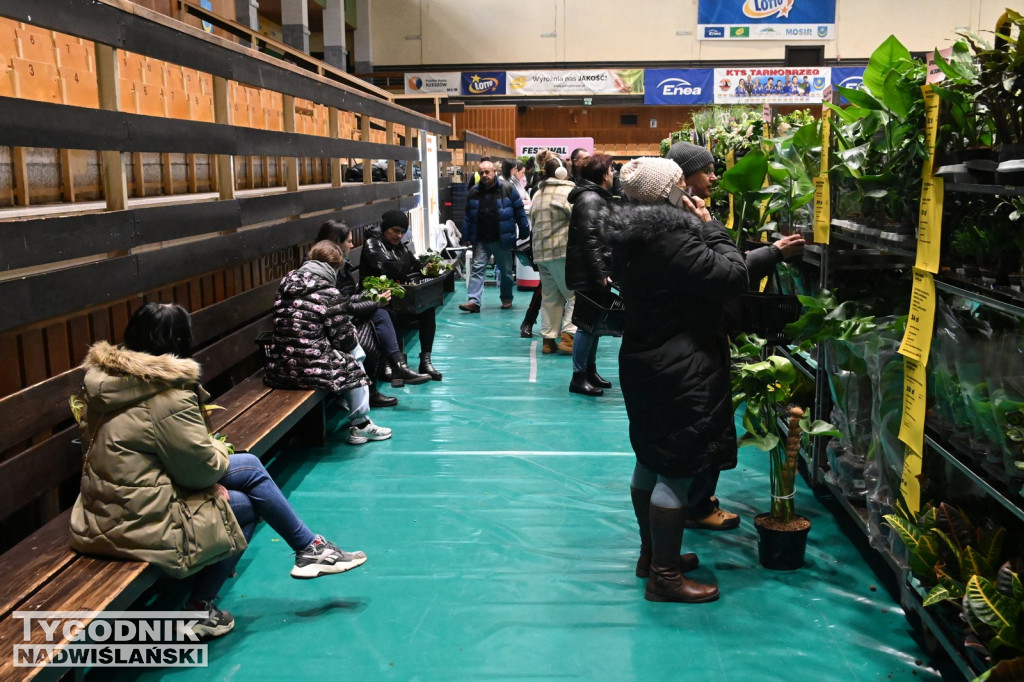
483	82
576	82
433	83
772	85
679	86
766	19
848	77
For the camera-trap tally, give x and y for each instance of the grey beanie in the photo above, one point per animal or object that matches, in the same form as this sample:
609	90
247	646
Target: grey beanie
690	157
648	179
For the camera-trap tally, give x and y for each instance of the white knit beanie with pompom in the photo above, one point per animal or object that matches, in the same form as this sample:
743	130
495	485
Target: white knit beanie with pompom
648	179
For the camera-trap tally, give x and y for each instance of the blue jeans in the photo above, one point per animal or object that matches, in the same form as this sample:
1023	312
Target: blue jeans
584	351
482	252
385	329
253	495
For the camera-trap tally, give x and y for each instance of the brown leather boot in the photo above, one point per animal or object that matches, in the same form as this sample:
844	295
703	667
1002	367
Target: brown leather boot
667	583
550	346
565	344
642	509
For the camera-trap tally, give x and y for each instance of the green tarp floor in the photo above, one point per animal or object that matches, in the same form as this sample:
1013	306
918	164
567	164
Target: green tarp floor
502	543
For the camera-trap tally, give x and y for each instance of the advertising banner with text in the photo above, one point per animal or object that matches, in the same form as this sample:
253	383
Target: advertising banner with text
563	146
772	85
848	77
433	83
679	86
576	82
766	19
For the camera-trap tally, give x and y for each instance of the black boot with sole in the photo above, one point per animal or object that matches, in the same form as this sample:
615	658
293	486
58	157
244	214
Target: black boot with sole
579	384
402	374
642	509
427	367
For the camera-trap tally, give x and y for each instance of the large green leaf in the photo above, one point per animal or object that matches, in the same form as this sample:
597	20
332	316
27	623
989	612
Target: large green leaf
747	175
988	605
883	60
860	98
898	94
937	594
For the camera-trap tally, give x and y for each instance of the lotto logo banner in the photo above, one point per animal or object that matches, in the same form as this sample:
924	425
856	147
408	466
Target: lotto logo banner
679	86
433	83
109	639
766	19
483	83
772	85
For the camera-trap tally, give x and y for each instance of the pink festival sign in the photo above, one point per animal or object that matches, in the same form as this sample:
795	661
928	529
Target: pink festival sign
563	146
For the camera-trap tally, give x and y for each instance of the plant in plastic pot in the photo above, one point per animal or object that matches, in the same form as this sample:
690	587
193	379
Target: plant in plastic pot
766	389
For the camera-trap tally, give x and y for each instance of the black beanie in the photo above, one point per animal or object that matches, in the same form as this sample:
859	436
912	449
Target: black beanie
690	157
394	218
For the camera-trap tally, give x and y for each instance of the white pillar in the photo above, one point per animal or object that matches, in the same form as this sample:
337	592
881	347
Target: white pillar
334	33
295	24
363	39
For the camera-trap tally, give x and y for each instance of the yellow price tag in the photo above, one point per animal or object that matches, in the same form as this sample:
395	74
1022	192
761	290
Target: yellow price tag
915	386
929	224
910	484
826	134
822	209
917	340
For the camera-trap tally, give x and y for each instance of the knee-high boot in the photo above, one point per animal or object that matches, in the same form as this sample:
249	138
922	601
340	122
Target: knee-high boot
642	509
667	582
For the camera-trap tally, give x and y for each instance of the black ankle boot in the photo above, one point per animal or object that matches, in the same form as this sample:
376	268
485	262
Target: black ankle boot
595	379
378	399
579	384
526	329
427	368
401	374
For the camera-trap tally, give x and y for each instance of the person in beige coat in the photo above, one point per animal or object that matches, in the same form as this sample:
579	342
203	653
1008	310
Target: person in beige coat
549	215
158	487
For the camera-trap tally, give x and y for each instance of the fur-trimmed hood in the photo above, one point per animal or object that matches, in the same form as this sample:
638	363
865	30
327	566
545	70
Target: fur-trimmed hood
117	377
635	224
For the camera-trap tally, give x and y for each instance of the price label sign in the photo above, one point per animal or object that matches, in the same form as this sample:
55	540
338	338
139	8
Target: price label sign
915	386
929	224
910	483
917	340
822	209
826	134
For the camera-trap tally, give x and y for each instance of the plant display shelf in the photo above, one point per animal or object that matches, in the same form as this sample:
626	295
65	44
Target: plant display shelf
969	188
934	441
911	596
874	238
870	257
1001	298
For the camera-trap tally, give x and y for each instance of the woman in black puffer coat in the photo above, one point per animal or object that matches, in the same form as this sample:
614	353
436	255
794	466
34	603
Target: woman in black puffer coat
677	269
385	255
588	264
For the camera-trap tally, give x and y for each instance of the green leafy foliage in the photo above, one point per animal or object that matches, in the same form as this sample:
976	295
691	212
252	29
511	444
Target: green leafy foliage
994	610
432	265
374	288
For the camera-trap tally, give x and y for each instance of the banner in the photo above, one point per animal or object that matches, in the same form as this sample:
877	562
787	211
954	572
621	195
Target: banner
772	85
483	82
433	83
766	19
847	77
576	82
563	146
679	86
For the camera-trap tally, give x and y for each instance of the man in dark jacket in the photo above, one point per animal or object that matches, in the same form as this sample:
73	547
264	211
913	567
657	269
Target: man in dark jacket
698	166
494	210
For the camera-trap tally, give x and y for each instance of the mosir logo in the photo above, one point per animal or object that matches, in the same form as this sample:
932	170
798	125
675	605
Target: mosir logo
677	86
762	9
480	85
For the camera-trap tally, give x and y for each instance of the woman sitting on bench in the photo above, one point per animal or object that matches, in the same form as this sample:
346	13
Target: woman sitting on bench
384	255
157	487
374	327
315	344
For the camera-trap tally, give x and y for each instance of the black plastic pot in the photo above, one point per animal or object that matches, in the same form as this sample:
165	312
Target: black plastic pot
1011	165
781	550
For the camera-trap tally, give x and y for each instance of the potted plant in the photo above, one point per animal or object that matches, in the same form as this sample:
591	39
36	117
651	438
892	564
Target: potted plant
766	388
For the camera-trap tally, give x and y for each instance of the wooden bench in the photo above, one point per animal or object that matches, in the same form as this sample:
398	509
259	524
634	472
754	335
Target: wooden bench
41	573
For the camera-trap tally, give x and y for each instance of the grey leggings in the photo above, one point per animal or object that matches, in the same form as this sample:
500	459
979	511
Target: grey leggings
668	493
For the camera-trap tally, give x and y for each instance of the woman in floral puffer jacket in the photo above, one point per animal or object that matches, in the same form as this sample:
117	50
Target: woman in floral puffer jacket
315	344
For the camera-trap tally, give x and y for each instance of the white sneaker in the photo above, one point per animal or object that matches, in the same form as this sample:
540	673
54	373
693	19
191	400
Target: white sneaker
369	431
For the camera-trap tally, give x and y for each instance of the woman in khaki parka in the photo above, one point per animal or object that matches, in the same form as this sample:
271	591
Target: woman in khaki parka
158	487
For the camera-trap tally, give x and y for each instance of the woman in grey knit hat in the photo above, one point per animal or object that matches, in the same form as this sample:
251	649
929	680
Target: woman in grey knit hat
677	269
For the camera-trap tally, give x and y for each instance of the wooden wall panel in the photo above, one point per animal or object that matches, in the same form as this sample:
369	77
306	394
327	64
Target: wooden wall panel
497	123
602	123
